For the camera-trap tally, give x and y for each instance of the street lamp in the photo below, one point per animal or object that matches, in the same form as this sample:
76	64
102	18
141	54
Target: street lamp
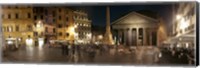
178	17
40	29
183	24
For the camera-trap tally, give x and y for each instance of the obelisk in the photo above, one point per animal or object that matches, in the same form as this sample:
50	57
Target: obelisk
108	40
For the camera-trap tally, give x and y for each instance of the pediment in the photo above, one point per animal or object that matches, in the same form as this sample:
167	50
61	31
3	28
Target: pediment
134	18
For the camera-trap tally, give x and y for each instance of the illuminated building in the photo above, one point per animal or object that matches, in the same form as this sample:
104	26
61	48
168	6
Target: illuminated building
57	21
82	27
44	22
184	20
17	22
135	29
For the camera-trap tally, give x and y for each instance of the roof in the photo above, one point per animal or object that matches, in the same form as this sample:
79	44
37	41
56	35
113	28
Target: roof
136	13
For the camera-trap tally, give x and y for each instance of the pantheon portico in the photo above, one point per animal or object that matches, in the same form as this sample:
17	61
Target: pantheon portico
135	29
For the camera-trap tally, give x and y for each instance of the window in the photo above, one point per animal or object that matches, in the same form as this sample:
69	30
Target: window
45	11
59	10
67	19
2	16
46	29
29	15
54	13
9	28
54	20
41	17
28	6
29	28
35	17
3	29
35	33
67	34
29	36
17	28
59	25
54	30
16	16
16	7
60	34
9	16
59	17
8	7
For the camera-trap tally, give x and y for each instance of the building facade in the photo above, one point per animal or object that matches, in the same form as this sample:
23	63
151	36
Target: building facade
184	21
135	29
82	27
17	23
56	20
43	23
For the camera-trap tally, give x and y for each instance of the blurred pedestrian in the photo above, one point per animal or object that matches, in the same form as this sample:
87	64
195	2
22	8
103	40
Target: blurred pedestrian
63	48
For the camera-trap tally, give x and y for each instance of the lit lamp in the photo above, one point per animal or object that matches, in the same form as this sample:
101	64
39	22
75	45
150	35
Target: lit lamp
29	42
10	42
178	17
183	24
41	41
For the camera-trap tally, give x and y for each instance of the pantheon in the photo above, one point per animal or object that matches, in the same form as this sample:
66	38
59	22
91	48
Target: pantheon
135	29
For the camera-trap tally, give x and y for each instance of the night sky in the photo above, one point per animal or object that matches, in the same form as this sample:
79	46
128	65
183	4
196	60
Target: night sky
98	13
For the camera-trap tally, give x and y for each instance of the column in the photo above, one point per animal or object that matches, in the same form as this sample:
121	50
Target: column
150	32
130	36
124	31
118	36
137	36
144	36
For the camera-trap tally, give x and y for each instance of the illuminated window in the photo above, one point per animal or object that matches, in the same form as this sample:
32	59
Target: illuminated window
9	28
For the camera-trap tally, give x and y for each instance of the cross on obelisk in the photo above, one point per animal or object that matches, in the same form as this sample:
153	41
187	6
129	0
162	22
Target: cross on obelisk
108	40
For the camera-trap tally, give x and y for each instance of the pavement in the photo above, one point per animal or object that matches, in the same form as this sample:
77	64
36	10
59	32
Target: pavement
143	56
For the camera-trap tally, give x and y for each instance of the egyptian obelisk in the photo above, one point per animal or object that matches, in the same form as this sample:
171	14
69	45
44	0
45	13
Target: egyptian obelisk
108	40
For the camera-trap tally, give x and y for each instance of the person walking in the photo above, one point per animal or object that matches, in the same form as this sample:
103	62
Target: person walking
63	48
91	54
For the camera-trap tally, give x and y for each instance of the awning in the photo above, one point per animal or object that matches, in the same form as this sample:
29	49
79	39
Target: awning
181	38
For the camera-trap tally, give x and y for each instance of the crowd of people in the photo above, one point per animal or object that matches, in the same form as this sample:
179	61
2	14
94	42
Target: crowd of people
76	52
180	55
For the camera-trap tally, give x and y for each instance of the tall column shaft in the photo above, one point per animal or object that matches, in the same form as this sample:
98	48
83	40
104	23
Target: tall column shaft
144	36
108	35
124	31
107	18
118	36
129	36
137	36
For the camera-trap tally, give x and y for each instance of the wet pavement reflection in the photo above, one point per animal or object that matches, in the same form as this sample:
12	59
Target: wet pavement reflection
139	55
